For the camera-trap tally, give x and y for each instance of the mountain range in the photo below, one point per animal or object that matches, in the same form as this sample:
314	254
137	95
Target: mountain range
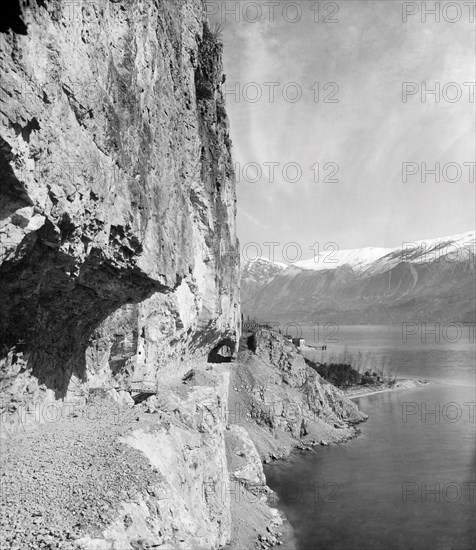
431	280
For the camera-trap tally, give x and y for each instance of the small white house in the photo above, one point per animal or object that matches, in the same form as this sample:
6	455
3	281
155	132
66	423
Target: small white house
299	342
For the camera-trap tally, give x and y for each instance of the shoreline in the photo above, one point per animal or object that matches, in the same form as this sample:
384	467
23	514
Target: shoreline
288	530
401	384
354	392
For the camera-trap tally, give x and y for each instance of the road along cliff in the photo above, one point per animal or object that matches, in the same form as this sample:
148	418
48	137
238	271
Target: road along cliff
181	469
128	418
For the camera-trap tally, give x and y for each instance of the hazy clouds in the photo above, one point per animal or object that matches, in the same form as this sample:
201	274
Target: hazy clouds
360	126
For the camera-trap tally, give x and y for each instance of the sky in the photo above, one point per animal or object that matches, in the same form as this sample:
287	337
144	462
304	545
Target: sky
360	129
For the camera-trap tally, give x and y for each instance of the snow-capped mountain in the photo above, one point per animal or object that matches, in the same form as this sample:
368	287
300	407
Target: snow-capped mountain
359	259
432	280
256	273
372	260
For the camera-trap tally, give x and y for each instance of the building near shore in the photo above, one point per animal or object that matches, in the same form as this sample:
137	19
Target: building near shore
299	342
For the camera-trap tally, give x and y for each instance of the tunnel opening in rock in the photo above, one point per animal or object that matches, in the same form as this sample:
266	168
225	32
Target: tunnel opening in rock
222	352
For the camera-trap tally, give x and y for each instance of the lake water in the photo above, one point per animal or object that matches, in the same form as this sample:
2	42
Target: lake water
408	481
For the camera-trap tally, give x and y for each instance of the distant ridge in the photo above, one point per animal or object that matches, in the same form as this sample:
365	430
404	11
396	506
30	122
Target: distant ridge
361	259
426	280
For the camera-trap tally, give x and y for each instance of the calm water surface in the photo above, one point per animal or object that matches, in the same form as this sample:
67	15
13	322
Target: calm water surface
408	481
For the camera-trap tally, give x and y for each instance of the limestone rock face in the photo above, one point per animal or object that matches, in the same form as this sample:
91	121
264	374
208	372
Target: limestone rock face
249	470
188	452
322	399
118	259
282	401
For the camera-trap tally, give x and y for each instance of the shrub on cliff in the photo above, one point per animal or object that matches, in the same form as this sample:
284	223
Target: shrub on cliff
217	32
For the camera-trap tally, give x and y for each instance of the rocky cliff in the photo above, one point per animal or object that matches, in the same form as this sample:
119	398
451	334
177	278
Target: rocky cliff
117	298
282	401
117	196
